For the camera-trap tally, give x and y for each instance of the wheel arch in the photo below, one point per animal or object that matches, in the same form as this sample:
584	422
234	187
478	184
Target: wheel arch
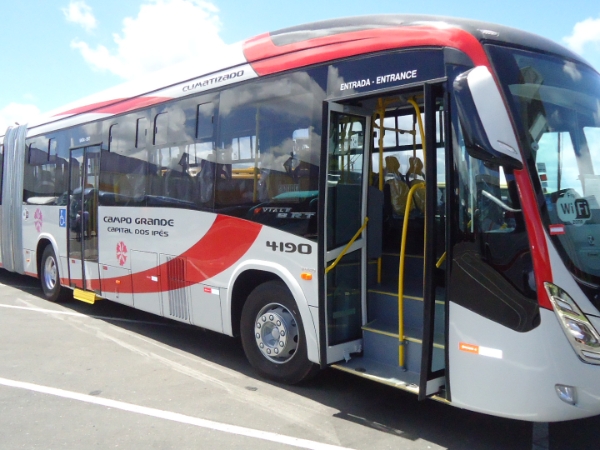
43	242
254	273
245	283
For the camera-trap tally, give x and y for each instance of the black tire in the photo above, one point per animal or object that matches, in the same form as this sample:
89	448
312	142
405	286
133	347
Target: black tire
50	276
273	335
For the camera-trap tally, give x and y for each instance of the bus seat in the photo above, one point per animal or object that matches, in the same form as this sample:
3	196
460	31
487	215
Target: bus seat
415	170
205	182
415	176
398	196
303	176
179	185
228	193
397	187
279	182
419	195
392	167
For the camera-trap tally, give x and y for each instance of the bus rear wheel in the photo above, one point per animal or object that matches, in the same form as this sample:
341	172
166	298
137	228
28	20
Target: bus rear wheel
273	335
50	275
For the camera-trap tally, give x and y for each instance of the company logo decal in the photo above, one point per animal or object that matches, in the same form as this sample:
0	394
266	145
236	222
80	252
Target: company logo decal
211	81
38	220
122	253
124	220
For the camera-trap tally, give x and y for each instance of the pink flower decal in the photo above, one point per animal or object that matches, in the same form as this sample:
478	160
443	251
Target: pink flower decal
122	253
38	220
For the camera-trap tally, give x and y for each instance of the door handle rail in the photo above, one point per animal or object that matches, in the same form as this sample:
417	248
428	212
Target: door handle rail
341	255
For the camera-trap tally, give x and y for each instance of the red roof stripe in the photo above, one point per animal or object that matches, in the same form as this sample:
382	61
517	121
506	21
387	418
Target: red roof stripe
87	108
115	106
267	58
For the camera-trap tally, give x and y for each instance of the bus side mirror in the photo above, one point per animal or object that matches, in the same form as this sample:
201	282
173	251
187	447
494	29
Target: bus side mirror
487	131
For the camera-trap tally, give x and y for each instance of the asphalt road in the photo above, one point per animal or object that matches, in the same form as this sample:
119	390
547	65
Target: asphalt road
76	376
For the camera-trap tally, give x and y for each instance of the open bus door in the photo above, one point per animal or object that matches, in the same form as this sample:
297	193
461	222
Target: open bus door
391	323
438	160
82	228
345	257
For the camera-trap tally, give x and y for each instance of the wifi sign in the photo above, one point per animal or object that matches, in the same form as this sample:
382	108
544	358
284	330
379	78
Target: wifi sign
573	210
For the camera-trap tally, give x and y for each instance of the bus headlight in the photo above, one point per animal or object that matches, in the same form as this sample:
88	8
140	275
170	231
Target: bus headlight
582	335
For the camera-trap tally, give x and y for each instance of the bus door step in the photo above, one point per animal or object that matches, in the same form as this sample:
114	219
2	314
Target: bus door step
382	373
85	296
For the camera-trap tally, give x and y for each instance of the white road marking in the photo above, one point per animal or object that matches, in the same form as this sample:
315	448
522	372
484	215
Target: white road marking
76	314
16	286
30	308
175	417
298	412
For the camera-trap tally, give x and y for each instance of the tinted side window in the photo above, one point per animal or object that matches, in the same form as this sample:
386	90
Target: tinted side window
161	128
39	180
141	132
269	151
182	162
205	121
46	169
124	162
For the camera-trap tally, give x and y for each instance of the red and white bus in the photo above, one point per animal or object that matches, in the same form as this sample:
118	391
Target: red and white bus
409	199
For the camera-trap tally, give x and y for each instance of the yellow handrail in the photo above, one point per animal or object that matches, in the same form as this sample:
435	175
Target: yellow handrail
420	121
440	261
409	200
341	255
401	353
381	113
382	104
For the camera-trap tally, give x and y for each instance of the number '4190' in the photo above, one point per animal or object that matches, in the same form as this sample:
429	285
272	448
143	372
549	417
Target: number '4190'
290	247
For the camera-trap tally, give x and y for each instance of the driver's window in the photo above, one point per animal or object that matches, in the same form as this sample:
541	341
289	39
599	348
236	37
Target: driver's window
490	224
556	163
487	197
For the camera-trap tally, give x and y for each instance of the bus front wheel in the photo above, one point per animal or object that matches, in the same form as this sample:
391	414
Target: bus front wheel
50	276
273	335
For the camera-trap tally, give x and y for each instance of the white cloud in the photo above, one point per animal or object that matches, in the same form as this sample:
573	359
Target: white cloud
585	40
165	32
80	13
16	112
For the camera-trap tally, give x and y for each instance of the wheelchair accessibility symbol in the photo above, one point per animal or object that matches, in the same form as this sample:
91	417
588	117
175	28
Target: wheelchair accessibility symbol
62	218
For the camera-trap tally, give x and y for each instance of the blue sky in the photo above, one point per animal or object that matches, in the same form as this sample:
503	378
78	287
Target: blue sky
57	51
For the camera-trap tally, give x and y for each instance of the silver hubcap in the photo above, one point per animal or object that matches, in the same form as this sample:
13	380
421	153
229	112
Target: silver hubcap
276	333
50	273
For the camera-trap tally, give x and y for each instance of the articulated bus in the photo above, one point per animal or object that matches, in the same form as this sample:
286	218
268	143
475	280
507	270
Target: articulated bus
410	199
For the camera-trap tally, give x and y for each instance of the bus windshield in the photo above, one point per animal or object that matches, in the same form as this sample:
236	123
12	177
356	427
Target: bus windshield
556	105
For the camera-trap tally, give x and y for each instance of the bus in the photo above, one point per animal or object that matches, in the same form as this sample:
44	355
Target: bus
410	199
